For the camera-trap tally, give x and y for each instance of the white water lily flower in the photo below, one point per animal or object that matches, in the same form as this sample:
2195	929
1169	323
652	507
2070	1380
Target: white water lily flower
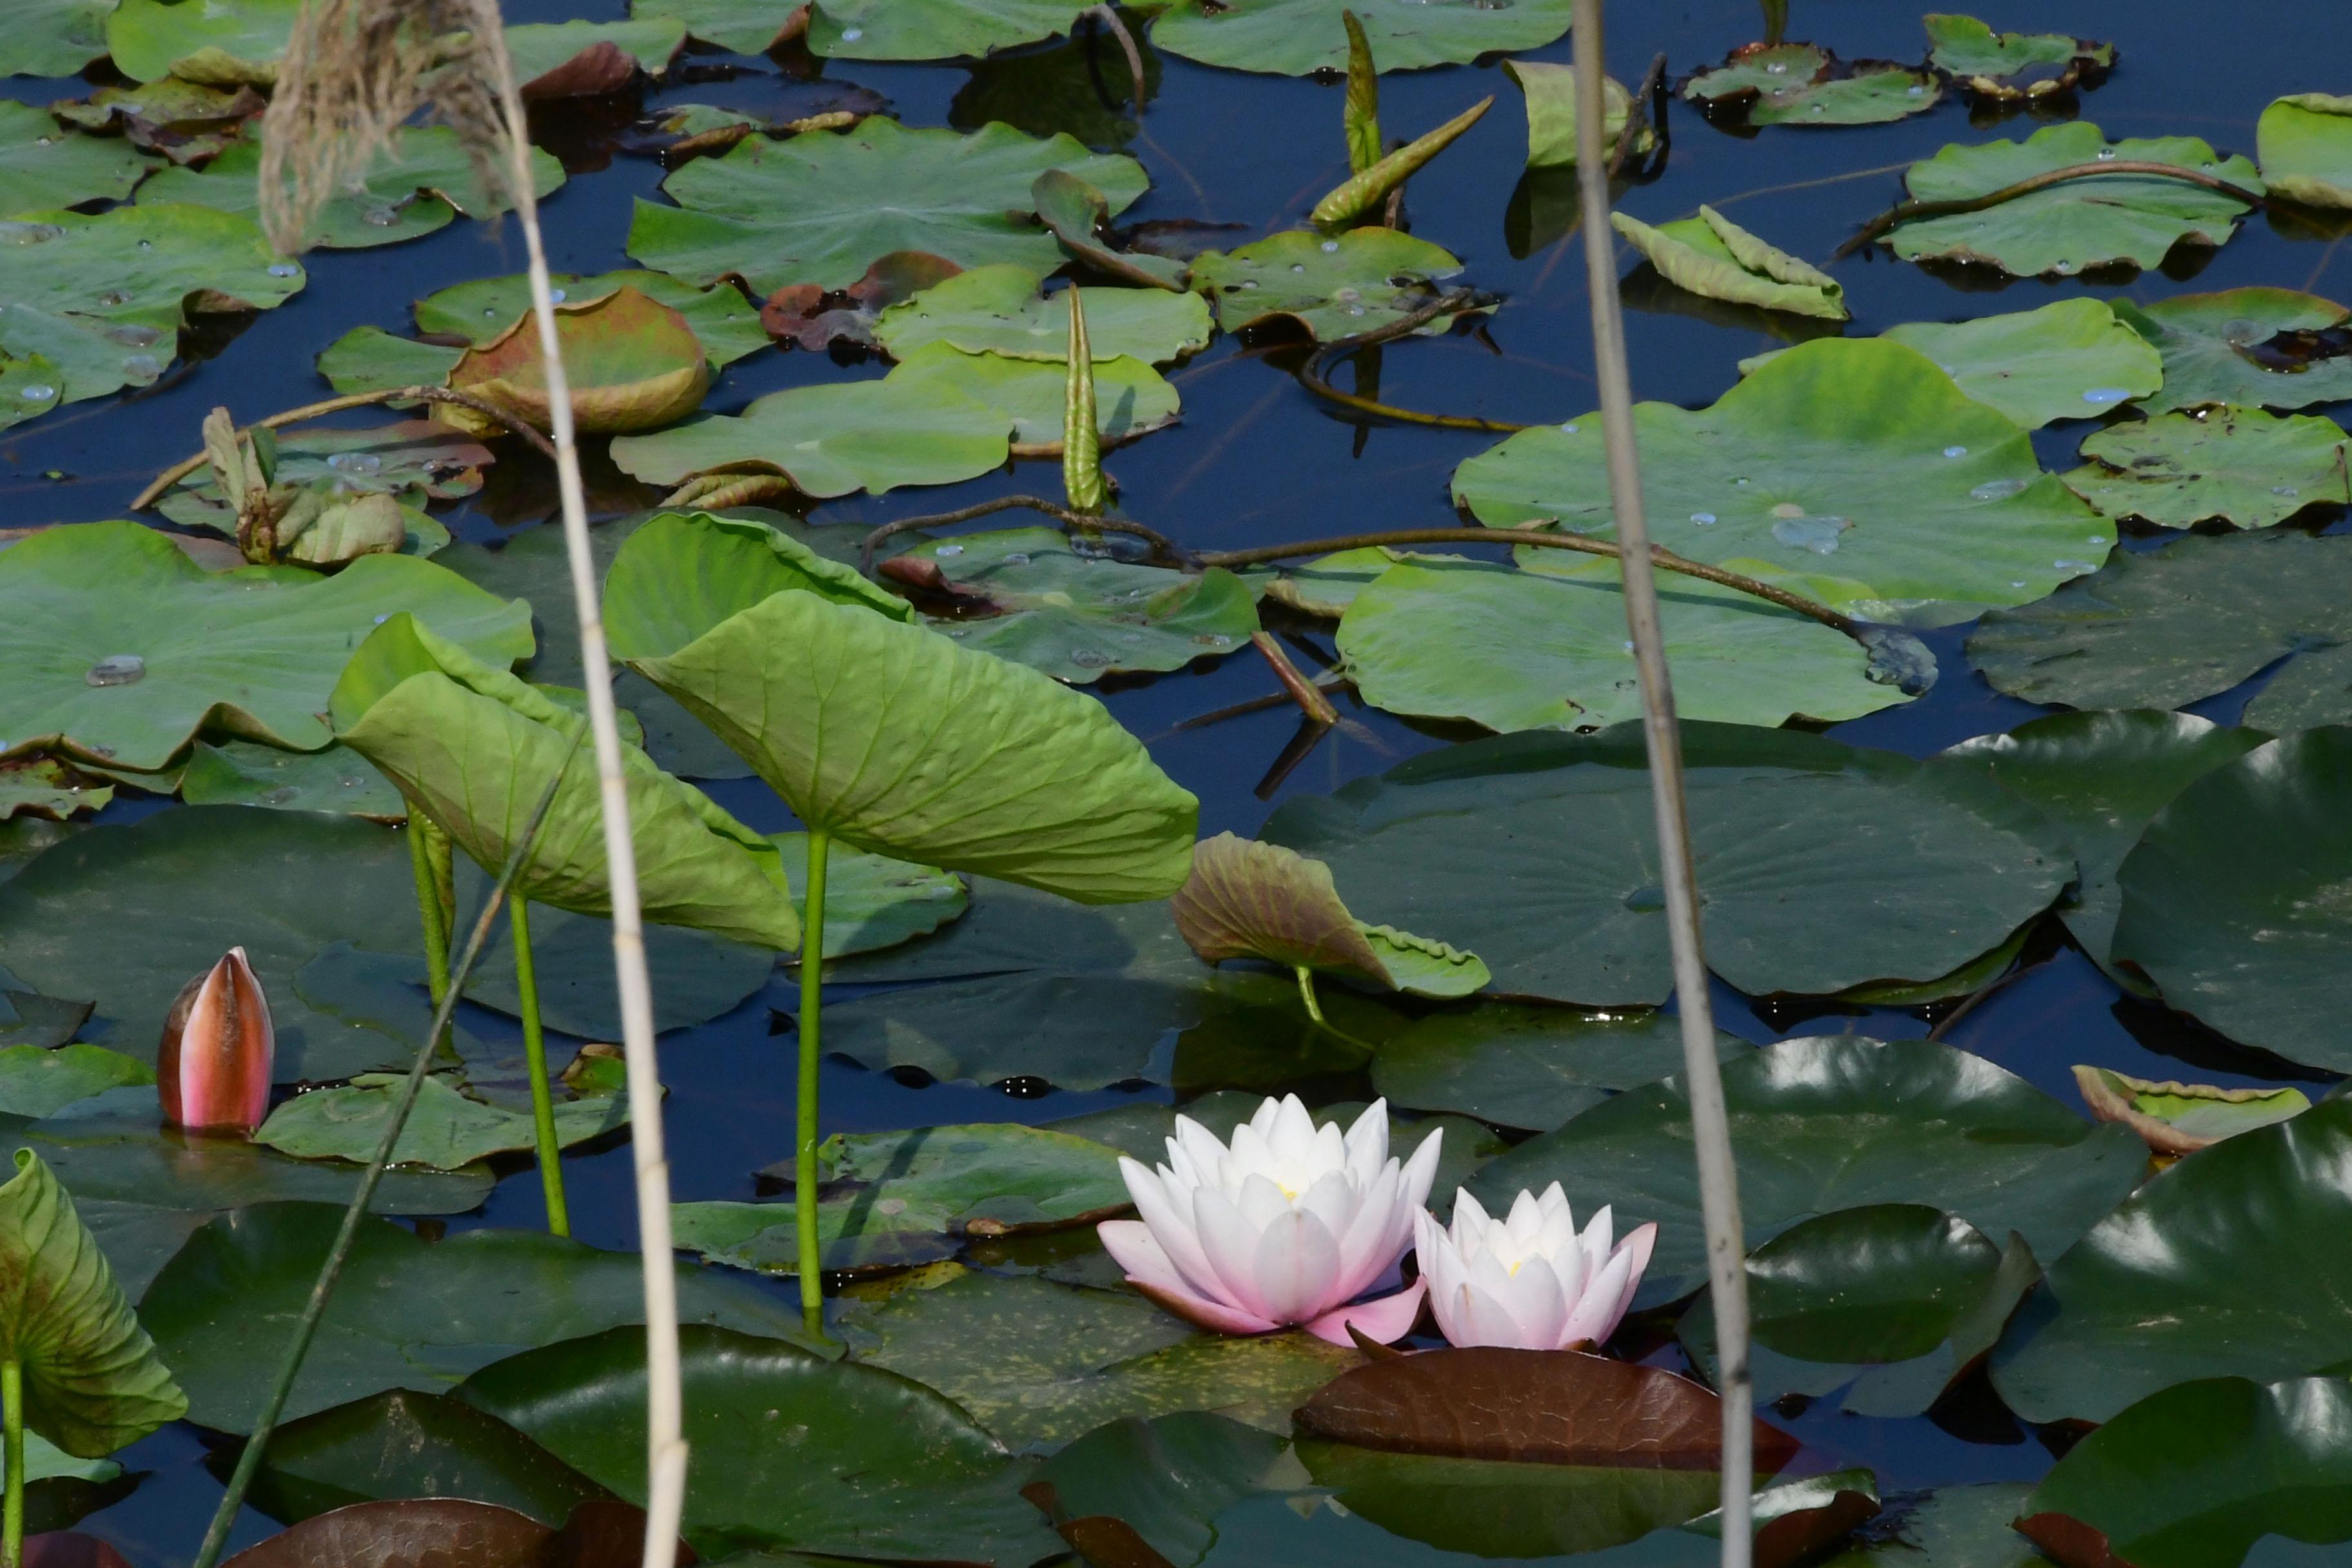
1529	1281
1287	1226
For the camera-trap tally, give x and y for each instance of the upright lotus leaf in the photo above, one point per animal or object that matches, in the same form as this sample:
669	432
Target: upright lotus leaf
1248	899
1804	84
1522	650
2009	66
1077	214
2260	348
476	748
93	1382
964	761
632	363
478	313
2194	1476
999	310
121	648
420	185
2305	143
2242	465
583	59
103	298
1834	1122
1854	472
54	38
2231	900
2206	1271
714	568
833	440
932	29
1550	92
817	207
1334	286
217	43
1295	38
42	166
1369	189
2178	1119
2197	618
2097	220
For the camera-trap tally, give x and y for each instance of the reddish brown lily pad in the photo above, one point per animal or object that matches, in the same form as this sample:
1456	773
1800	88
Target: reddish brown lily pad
634	365
451	1533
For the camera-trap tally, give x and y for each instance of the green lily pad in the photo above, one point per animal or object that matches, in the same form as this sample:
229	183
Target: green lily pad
1804	84
29	1018
444	1132
2193	1476
2234	901
1334	286
2305	143
577	58
2010	64
43	166
54	38
818	208
406	1443
1079	217
1551	91
408	1313
2182	1118
2076	224
794	1450
2233	1290
744	26
1132	398
727	323
1952	1527
2165	629
1157	1482
242	773
1712	255
998	310
2244	466
103	298
2070	360
1521	1065
1294	37
832	440
1824	867
932	29
1836	1122
1025	595
871	901
2099	777
222	43
1856	473
35	1081
29	387
2259	348
121	648
1523	650
420	186
42	786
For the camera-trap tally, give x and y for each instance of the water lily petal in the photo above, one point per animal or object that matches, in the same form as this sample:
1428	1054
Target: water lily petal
1166	1213
1422	1169
1261	1202
1230	1242
1383	1321
1595	1318
1298	1264
1200	1309
1367	1141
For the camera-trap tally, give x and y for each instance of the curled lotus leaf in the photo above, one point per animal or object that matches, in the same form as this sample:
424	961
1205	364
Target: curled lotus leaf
2258	348
43	787
481	311
999	310
2011	66
632	363
1550	92
1295	38
1711	254
1804	84
42	166
2305	143
1249	900
2241	465
2181	1118
184	122
1332	284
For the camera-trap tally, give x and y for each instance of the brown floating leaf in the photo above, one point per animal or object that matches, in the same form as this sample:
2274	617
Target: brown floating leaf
814	317
605	1532
632	363
603	67
429	1533
1545	1407
2182	1118
2069	1540
1804	1534
70	1549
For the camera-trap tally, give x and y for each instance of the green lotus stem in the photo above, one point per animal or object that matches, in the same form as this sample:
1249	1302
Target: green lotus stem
820	844
534	1049
430	911
1911	212
306	1327
1306	995
12	1415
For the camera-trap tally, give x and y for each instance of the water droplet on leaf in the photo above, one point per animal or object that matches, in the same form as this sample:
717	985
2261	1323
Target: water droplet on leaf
116	669
1956	451
356	463
2100	397
283	270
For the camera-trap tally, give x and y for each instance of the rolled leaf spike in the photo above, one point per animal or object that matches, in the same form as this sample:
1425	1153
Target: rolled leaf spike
1361	116
1363	192
1081	475
218	1050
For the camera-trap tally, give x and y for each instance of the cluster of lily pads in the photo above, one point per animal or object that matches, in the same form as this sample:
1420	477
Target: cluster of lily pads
1474	940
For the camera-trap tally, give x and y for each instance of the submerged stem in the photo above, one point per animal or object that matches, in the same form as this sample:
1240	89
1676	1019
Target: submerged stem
820	844
1910	211
11	1418
534	1049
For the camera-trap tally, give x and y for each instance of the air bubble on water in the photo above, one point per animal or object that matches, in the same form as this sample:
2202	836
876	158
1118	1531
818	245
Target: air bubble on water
2100	397
2282	490
39	392
384	215
283	270
1956	451
1818	534
949	550
356	463
116	669
1702	517
1998	490
1330	248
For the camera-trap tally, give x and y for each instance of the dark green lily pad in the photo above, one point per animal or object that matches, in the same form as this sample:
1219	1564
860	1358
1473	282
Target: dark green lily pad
2194	1476
243	773
1804	84
871	901
1533	851
29	1018
1519	1065
1295	37
2258	348
446	1132
998	310
406	1444
793	1451
1854	472
2305	142
408	1313
1333	285
37	1082
2010	64
2187	622
818	208
932	29
1952	1527
2233	1289
222	44
1827	1123
2100	777
54	38
1159	1482
1064	86
2076	224
2244	466
1525	651
43	166
2239	897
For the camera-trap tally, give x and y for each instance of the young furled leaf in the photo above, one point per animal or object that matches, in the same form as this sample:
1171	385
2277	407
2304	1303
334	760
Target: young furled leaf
1365	191
1361	116
1082	476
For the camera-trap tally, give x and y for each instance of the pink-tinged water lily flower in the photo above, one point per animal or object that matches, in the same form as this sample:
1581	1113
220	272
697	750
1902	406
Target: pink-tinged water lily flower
1287	1226
1529	1281
218	1051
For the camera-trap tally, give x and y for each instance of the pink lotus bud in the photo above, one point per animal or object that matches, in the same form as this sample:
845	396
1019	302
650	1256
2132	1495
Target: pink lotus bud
218	1048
